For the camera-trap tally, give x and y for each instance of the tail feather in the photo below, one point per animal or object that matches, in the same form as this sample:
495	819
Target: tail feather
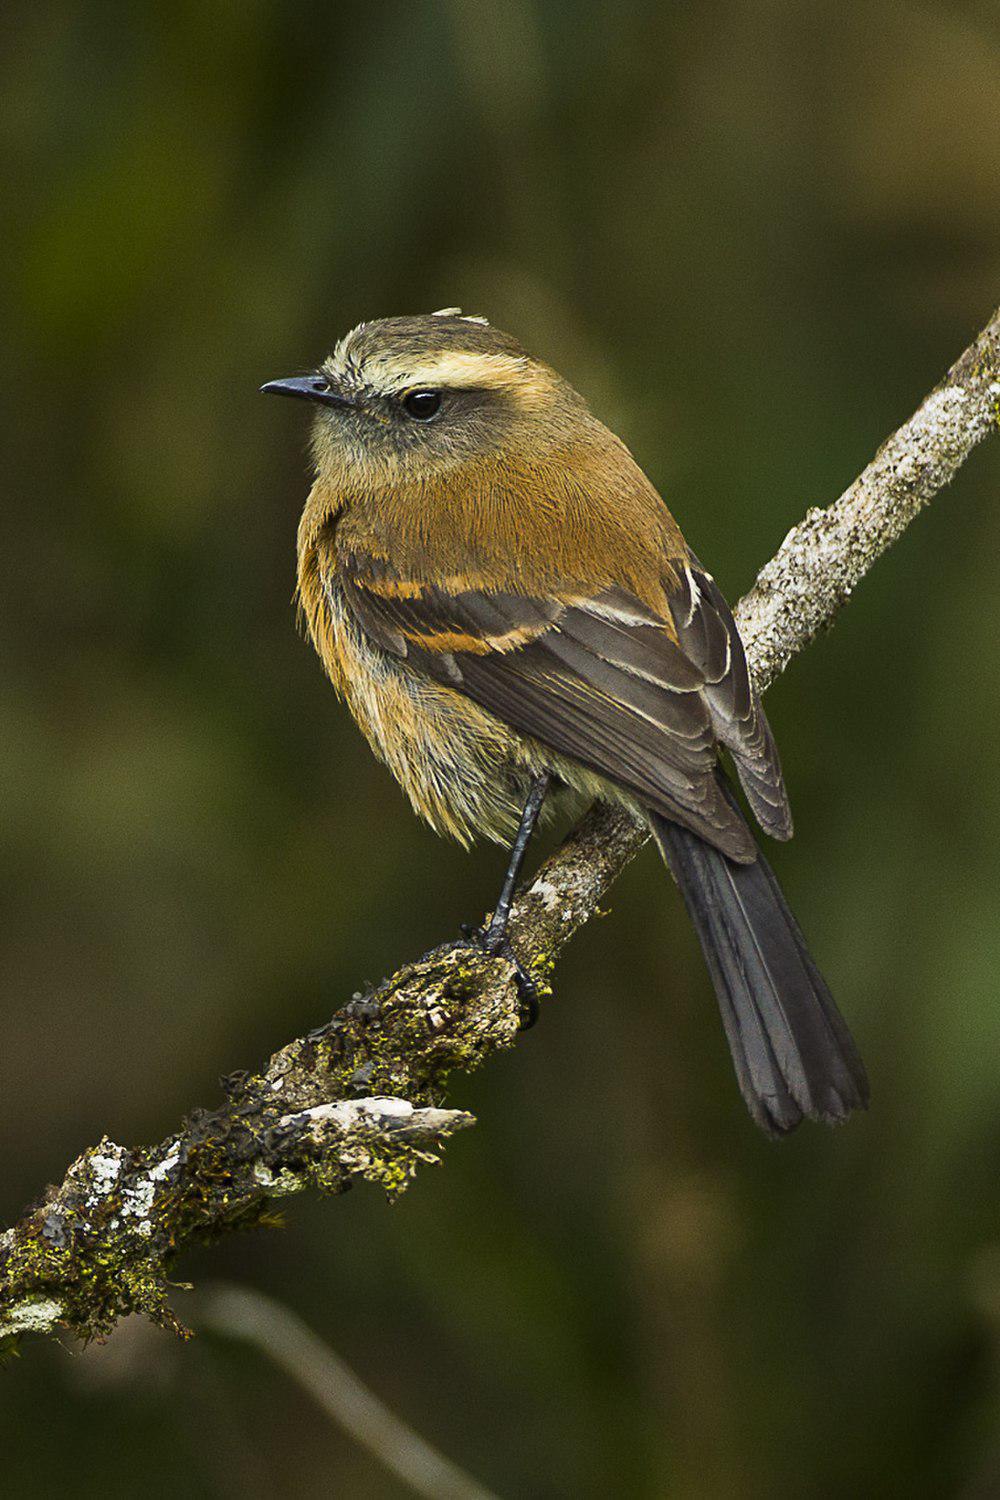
793	1053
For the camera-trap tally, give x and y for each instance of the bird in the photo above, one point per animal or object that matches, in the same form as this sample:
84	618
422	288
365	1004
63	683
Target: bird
514	618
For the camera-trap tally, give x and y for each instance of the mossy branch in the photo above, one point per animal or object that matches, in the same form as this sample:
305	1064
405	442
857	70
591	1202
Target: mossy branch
361	1096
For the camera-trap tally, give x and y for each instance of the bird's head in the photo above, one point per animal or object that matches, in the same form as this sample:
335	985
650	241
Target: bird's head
418	394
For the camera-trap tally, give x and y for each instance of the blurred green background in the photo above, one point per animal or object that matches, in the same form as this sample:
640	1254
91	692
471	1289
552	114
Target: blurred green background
754	234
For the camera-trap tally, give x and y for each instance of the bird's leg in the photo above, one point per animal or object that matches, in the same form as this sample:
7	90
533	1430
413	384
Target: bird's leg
495	935
493	939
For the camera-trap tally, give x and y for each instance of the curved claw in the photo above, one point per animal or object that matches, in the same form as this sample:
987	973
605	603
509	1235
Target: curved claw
527	989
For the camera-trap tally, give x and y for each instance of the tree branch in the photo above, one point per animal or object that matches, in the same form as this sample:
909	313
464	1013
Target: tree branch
360	1097
277	1332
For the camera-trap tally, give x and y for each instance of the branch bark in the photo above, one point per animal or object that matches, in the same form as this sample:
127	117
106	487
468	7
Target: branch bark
361	1096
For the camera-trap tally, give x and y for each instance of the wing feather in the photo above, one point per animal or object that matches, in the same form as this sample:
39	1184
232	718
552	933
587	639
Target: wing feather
707	634
598	679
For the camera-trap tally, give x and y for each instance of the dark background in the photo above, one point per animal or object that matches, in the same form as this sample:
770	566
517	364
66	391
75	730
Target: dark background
754	235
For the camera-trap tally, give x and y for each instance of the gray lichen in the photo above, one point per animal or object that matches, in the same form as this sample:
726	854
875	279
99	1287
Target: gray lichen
822	560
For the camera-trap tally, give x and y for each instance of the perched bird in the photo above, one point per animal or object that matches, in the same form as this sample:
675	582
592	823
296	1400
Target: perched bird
509	609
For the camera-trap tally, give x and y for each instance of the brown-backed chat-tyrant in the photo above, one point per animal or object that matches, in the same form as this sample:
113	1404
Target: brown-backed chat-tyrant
510	611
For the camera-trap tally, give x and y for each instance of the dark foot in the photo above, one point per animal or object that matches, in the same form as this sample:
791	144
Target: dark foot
497	945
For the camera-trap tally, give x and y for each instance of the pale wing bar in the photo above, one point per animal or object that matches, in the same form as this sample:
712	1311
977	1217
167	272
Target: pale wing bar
597	681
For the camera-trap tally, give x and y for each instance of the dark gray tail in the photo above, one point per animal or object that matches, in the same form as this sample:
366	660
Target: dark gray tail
793	1053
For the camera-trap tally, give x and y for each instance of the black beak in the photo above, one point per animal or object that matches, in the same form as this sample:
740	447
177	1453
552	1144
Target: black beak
307	388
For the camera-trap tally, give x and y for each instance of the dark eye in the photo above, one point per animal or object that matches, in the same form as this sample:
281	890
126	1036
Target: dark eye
422	405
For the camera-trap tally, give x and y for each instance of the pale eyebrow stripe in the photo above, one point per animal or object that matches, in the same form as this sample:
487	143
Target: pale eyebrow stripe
452	368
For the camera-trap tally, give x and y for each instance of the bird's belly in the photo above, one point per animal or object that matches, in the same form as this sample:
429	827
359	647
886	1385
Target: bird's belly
465	772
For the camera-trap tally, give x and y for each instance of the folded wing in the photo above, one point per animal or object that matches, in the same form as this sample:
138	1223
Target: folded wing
599	679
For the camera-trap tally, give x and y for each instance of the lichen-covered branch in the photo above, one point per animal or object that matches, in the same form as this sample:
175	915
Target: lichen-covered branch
361	1096
99	1246
823	558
